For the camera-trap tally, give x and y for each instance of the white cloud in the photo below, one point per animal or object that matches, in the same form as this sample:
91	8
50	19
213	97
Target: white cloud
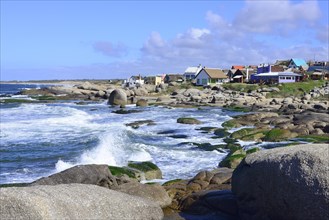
272	16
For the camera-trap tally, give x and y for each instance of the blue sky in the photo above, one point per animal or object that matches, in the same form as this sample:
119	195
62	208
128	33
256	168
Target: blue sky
116	39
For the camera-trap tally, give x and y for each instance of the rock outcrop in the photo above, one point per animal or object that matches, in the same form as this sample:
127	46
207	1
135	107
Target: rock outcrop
118	97
284	183
86	174
74	201
153	192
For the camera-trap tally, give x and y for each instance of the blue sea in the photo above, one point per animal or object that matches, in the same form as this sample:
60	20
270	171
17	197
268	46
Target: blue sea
41	139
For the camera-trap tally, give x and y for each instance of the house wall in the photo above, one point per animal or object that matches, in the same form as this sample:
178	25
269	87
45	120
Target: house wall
287	79
158	80
202	78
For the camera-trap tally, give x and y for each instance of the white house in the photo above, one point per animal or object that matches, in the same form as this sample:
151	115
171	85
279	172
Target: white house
276	77
134	81
191	72
208	76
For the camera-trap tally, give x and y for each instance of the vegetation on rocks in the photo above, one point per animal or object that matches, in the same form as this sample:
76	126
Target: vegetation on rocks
277	134
315	138
188	121
230	124
119	171
150	170
17	101
123	111
221	132
233	159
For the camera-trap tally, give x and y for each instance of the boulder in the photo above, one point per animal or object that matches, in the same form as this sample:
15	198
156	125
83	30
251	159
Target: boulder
142	103
284	183
153	192
117	97
87	174
188	121
149	169
74	201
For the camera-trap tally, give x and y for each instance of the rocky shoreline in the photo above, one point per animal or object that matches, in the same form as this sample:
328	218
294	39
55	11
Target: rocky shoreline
248	184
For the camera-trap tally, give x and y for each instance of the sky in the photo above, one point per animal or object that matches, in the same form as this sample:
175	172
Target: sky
117	39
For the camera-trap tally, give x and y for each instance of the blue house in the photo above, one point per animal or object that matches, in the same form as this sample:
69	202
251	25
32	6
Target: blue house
298	63
275	77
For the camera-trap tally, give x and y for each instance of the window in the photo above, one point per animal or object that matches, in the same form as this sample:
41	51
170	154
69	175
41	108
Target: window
288	77
198	81
204	81
282	77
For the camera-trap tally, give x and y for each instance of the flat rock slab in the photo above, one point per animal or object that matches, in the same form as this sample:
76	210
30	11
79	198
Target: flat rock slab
74	201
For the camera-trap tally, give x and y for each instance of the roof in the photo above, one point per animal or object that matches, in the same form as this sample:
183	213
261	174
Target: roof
299	62
193	70
238	67
215	73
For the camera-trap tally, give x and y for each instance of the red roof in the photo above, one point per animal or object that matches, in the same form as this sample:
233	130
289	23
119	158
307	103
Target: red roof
238	67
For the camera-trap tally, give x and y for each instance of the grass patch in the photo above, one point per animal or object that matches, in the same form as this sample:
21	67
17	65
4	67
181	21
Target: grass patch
295	89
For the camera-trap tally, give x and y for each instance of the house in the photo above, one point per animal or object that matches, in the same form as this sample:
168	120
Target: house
298	64
275	77
173	78
240	75
191	72
208	76
267	68
133	81
154	80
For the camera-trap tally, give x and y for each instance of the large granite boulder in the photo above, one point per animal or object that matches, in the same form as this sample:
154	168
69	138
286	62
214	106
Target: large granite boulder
87	174
153	192
74	201
118	97
284	183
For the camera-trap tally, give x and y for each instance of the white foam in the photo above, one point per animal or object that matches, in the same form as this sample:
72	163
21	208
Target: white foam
109	151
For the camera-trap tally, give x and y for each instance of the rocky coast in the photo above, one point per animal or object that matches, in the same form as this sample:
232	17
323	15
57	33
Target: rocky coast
288	182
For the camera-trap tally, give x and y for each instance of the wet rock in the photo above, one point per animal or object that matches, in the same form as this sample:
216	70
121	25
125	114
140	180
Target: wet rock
188	121
137	124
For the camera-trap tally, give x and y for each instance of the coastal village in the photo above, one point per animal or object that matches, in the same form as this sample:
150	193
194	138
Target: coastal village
282	71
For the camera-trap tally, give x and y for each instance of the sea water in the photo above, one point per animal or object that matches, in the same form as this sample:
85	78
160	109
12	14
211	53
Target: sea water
41	139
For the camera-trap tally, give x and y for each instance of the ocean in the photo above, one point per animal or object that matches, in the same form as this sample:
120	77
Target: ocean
38	140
